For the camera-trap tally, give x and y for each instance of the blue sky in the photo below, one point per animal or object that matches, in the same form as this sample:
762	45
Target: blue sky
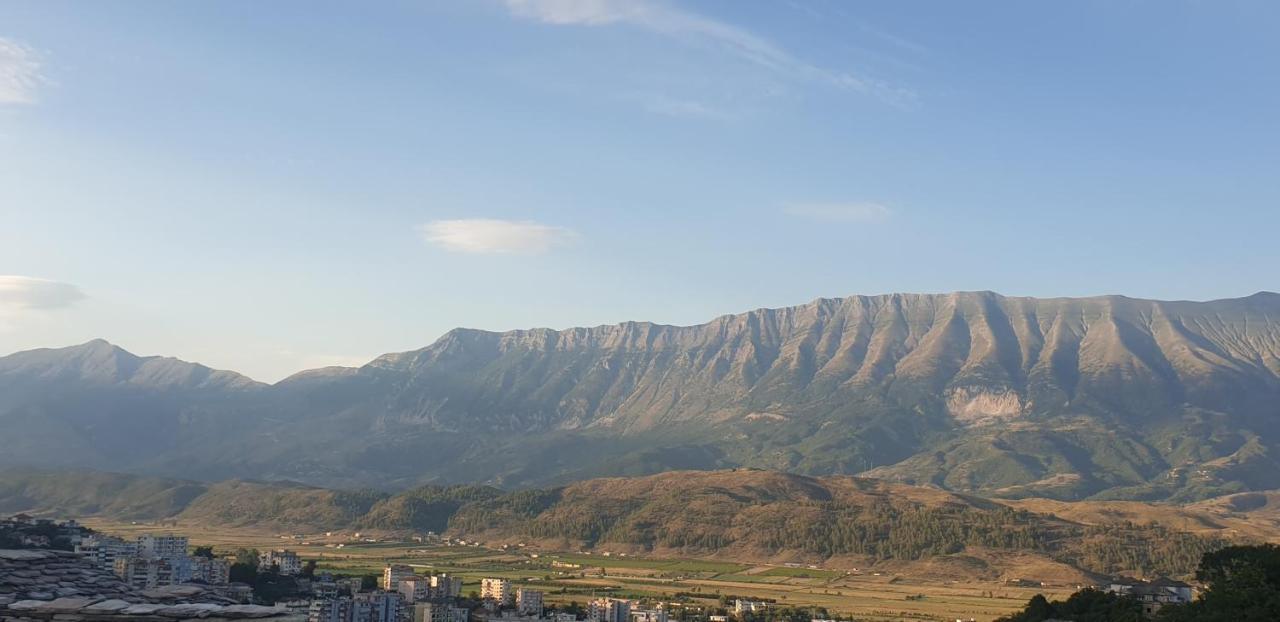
271	186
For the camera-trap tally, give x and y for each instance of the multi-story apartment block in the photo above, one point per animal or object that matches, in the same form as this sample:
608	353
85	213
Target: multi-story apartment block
104	550
349	585
330	610
164	547
609	610
285	561
430	612
435	612
497	590
529	602
376	607
445	586
144	573
415	590
210	571
657	614
741	607
393	574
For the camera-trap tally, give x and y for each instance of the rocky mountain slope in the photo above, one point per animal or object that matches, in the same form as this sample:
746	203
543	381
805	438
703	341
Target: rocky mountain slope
1070	398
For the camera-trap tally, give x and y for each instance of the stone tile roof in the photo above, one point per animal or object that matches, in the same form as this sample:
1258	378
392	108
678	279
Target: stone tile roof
39	585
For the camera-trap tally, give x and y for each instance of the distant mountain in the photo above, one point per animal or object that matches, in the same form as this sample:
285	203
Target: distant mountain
1107	397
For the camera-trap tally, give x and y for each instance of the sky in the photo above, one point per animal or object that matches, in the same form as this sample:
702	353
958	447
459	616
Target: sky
275	186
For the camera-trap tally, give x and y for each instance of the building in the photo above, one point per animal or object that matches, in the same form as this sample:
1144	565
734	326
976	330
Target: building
285	561
144	573
657	614
210	571
324	590
445	586
376	607
393	574
1154	595
415	590
164	547
330	610
349	585
104	550
609	610
529	602
435	612
743	607
497	590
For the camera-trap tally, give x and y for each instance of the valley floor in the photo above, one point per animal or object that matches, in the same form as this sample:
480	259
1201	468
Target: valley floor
565	577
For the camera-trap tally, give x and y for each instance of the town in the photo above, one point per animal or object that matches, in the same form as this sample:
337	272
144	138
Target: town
282	579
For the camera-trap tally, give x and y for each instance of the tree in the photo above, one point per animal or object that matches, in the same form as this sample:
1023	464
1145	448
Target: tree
247	556
244	573
203	551
309	569
1087	605
1243	586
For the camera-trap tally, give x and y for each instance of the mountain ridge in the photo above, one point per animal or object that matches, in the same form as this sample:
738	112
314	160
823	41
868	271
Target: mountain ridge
969	391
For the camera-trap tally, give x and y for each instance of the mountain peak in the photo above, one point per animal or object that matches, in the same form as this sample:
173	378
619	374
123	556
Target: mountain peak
99	362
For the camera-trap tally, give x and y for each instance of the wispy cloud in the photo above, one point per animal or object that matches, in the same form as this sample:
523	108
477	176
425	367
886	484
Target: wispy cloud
859	212
20	76
672	22
24	293
685	108
486	235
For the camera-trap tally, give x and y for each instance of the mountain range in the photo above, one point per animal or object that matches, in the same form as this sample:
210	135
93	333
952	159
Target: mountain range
1069	398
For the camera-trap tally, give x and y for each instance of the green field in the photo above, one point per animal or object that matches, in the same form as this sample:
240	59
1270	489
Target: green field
682	582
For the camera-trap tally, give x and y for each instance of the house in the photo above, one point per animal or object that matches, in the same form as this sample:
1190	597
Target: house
1153	595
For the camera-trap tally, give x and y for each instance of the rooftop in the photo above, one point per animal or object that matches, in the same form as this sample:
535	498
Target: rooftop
37	585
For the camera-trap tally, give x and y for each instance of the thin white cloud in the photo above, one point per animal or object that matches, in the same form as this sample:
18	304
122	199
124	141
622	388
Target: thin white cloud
860	212
673	22
486	235
24	293
685	108
20	76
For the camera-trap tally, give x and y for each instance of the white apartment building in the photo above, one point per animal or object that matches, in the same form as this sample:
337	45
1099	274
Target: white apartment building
164	547
741	607
609	610
657	614
103	550
497	590
284	560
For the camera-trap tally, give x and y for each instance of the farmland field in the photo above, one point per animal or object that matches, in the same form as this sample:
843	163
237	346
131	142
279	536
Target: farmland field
572	576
